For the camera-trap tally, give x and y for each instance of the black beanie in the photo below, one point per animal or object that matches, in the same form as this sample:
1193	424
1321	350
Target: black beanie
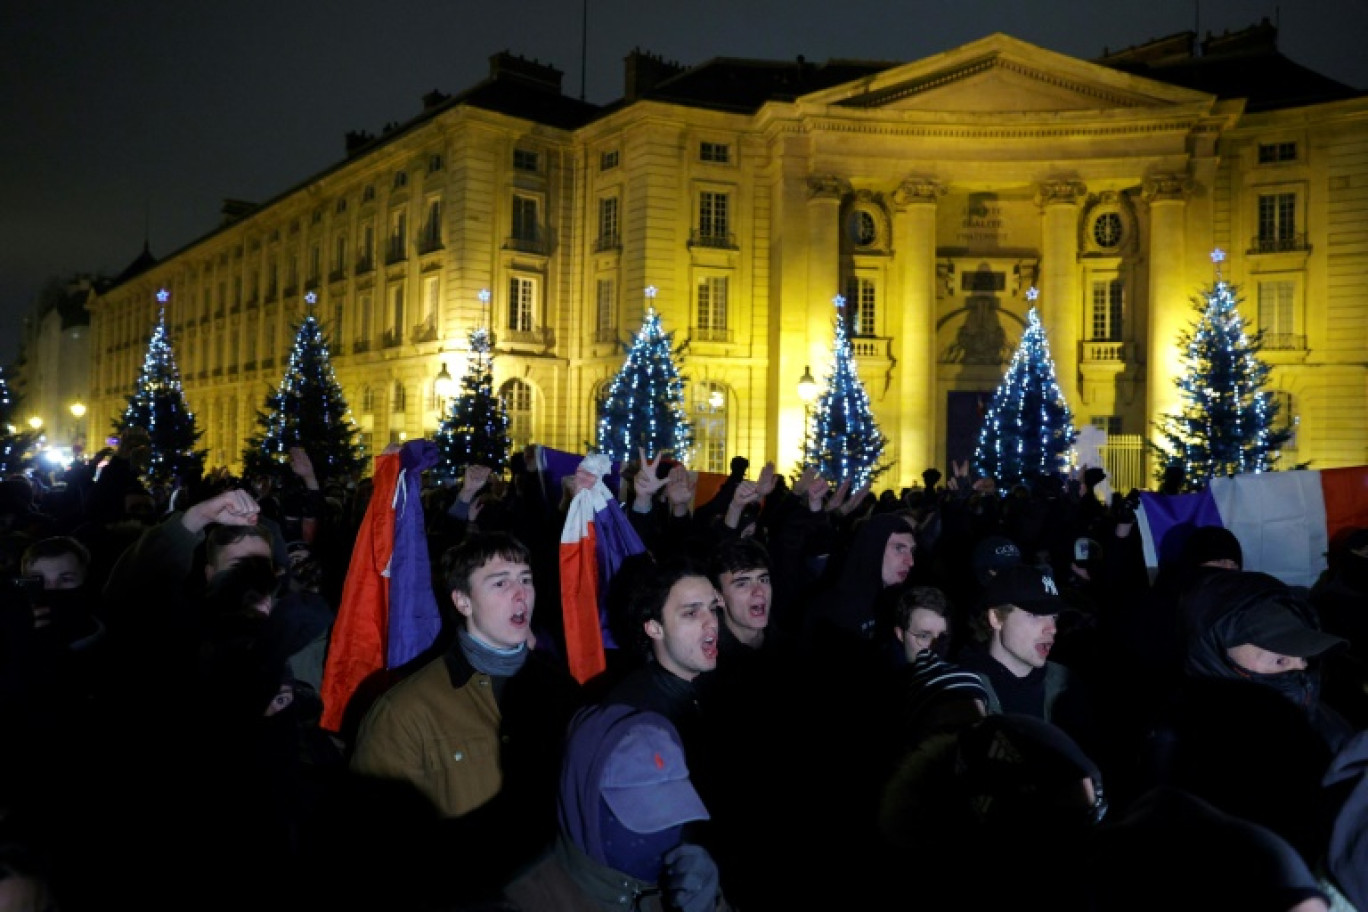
1211	543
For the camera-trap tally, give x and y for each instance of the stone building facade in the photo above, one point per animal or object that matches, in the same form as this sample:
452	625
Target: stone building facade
930	194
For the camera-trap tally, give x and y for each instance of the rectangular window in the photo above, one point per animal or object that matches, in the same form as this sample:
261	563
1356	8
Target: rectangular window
525	225
292	272
714	152
1271	153
432	291
1109	423
237	291
608	223
398	235
365	251
523	160
400	179
712	216
315	262
1106	309
862	306
341	205
434	162
712	304
396	312
605	311
1277	221
1277	315
432	226
251	348
522	295
608	160
363	324
272	279
340	254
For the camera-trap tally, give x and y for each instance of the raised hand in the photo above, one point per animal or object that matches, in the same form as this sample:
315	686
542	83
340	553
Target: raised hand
231	508
679	488
475	478
765	483
855	499
302	465
839	496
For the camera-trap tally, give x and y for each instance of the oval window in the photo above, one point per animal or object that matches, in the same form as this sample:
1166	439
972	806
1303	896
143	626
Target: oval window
1107	229
863	230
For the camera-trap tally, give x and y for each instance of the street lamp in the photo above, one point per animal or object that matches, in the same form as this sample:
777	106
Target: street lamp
78	410
35	422
444	385
807	391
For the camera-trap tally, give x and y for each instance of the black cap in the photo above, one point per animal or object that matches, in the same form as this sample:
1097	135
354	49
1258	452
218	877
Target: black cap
993	555
1028	588
1278	628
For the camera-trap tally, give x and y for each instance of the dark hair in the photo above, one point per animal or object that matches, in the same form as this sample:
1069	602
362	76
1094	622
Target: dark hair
476	550
652	590
240	588
221	535
736	554
928	597
56	546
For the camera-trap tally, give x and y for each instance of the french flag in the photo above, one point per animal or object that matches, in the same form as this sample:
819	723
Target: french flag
596	539
1285	521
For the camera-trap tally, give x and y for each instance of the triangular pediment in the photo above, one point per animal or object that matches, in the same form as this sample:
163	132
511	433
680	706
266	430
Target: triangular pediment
1004	75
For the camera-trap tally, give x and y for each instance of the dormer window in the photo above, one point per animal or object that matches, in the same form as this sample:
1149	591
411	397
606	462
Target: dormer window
524	160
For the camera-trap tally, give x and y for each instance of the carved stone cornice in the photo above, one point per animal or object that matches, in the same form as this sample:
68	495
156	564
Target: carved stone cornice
827	186
1065	191
918	189
1164	187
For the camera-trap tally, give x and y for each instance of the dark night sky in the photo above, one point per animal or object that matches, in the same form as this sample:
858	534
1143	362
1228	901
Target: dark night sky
137	117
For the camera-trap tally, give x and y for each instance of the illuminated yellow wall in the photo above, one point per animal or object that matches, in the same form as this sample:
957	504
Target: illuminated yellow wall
947	186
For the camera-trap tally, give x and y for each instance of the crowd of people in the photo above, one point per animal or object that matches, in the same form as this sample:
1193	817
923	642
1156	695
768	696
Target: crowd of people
957	695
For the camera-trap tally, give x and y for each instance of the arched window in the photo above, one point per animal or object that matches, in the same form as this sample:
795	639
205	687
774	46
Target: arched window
517	400
708	413
400	397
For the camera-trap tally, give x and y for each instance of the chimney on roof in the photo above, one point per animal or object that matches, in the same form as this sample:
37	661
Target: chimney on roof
1257	39
505	65
1155	52
234	210
645	71
357	140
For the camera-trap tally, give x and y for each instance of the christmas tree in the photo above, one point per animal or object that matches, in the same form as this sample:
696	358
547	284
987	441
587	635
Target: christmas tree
1028	430
157	405
15	444
644	408
307	410
1226	423
475	429
844	442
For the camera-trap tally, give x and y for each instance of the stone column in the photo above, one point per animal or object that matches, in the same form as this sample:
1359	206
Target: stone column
1059	291
1169	294
914	327
824	283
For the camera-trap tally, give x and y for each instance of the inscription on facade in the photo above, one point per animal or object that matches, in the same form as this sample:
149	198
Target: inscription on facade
982	222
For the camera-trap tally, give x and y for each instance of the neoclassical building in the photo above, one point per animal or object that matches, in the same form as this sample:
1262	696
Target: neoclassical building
930	194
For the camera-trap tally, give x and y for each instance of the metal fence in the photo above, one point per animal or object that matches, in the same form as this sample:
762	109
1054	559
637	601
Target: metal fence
1123	458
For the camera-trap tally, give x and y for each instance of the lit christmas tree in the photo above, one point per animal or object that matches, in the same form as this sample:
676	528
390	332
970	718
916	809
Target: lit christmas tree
15	444
844	442
1226	423
1028	430
644	407
475	429
307	410
157	405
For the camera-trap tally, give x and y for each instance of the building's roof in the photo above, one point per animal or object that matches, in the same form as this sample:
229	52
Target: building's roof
736	84
1244	64
144	262
1269	82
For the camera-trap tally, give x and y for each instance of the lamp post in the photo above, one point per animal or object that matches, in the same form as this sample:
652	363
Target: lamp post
807	391
78	411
